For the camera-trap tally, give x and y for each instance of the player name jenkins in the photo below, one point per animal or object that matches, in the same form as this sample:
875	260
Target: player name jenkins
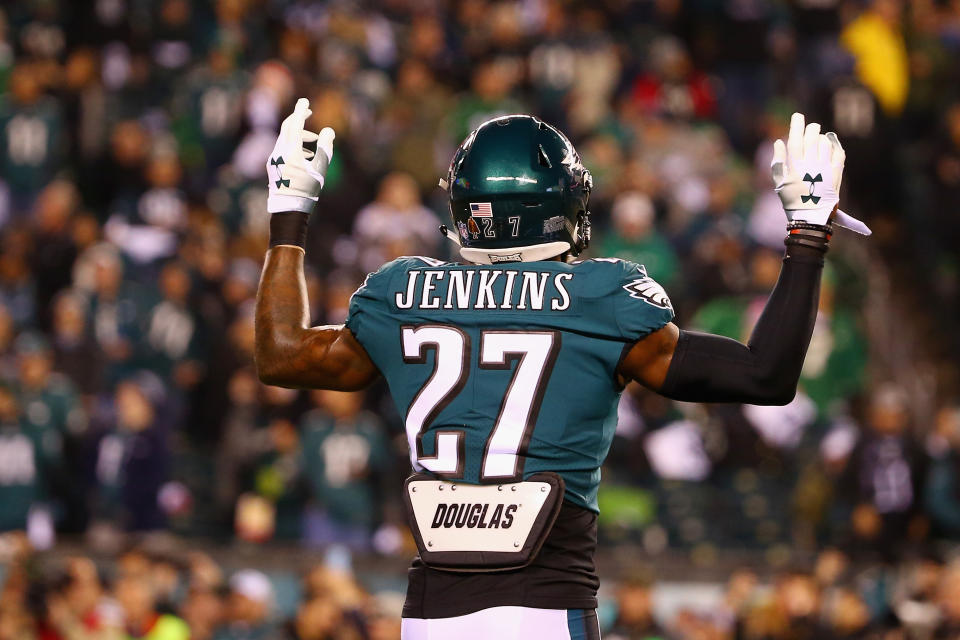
466	289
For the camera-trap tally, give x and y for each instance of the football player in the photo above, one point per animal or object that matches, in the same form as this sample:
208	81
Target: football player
508	367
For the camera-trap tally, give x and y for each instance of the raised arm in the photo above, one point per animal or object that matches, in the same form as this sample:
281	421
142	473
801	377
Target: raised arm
698	367
290	353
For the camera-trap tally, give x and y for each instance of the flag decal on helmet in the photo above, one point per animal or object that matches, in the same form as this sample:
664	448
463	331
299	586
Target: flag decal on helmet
481	210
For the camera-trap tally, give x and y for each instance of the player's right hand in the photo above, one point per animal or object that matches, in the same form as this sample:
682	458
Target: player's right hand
807	172
298	163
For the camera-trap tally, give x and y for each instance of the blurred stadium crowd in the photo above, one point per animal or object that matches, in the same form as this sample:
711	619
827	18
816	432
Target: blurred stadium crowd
187	596
133	136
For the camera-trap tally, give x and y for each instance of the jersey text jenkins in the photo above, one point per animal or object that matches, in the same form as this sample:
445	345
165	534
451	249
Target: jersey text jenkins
464	289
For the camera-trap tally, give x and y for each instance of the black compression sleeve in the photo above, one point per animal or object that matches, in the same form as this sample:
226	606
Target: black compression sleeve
709	368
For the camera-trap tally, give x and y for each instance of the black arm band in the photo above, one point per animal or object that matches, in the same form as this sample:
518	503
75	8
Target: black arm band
709	368
289	227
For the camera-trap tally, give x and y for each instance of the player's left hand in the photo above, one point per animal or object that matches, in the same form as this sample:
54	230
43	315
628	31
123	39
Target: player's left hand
298	163
807	172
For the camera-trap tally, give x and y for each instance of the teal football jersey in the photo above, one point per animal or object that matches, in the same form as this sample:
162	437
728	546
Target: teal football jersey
503	371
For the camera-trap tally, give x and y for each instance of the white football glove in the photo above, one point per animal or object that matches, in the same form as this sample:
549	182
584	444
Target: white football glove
295	172
807	172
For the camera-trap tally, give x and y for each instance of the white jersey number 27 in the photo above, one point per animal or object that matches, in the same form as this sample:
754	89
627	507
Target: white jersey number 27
534	353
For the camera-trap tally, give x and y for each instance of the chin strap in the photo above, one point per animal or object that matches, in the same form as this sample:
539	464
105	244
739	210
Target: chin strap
449	235
583	233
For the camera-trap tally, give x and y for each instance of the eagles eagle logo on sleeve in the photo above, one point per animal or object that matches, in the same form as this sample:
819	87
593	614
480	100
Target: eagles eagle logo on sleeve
650	291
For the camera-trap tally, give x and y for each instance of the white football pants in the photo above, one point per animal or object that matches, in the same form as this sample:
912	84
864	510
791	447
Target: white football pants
507	623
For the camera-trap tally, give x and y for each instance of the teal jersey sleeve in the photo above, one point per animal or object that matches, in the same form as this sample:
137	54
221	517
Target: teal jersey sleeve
361	299
371	299
621	300
641	304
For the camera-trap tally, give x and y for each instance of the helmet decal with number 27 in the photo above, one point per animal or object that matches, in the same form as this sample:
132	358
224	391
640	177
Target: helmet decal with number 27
517	184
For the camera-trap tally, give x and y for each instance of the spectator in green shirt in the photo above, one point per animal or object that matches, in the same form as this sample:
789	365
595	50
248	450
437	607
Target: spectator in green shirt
635	238
345	456
47	398
835	364
942	487
31	137
490	87
27	454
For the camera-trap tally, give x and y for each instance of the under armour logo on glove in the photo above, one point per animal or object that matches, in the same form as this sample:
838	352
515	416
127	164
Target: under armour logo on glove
276	162
304	156
813	183
819	159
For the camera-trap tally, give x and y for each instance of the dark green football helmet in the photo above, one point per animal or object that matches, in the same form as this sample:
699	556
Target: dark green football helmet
518	192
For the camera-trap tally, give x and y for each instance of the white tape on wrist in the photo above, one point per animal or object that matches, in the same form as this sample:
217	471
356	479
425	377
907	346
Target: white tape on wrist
278	203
